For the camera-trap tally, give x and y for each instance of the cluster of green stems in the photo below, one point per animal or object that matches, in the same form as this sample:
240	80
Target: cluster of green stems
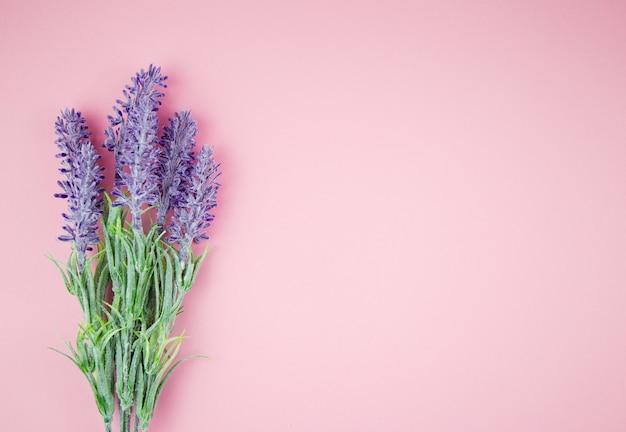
130	292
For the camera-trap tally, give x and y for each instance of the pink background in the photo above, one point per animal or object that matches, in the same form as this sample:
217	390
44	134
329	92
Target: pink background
422	225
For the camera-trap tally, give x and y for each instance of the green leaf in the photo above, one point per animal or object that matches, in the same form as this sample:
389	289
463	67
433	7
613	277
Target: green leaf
70	288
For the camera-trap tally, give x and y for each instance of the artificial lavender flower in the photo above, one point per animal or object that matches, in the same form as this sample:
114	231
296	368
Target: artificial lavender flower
82	186
192	212
132	290
132	136
176	162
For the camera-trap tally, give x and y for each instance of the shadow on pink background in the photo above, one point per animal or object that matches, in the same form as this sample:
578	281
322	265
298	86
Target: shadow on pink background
422	225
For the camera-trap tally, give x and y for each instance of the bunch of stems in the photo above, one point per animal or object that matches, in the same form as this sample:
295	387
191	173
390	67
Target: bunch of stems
130	292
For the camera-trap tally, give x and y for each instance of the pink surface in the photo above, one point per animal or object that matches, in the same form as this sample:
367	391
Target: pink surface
422	225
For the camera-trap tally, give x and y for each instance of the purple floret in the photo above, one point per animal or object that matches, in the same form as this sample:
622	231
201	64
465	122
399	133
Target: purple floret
192	212
82	185
176	162
132	136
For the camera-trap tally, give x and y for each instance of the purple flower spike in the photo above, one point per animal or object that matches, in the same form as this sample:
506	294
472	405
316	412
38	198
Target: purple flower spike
82	185
132	136
176	162
191	213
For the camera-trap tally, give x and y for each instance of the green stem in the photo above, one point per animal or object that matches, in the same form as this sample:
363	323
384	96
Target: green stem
136	423
125	420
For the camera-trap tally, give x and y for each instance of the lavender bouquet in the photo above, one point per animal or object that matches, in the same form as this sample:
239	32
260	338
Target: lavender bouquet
131	261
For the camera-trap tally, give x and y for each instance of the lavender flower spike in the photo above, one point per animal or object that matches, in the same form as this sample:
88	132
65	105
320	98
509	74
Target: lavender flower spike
82	185
176	162
132	136
192	213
